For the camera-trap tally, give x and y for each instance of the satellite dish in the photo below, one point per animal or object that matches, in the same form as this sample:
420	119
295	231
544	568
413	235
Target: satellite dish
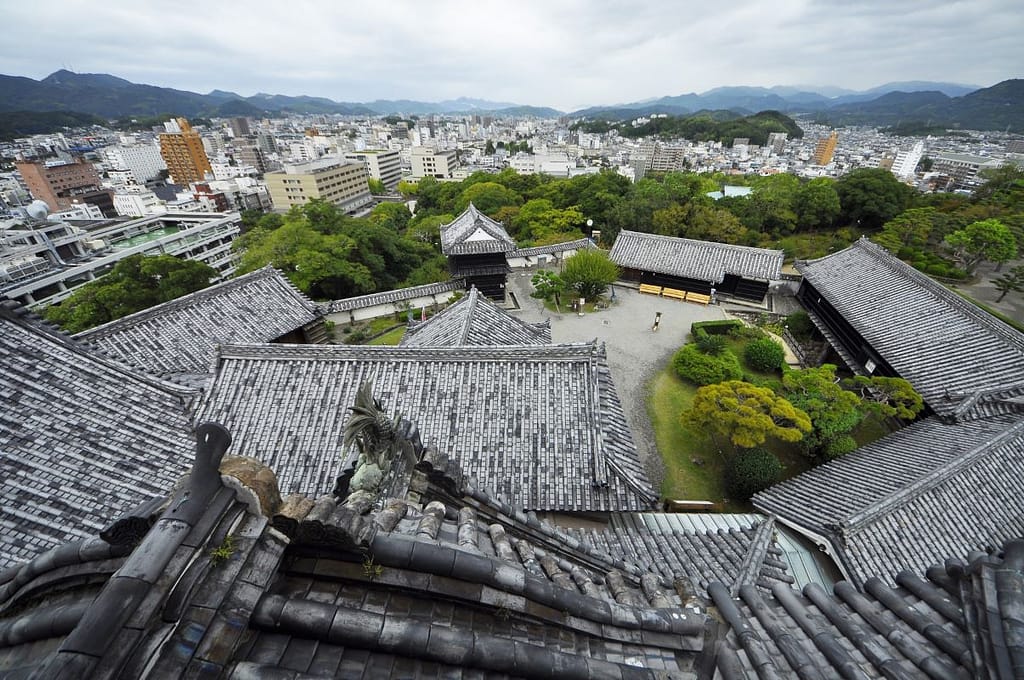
38	210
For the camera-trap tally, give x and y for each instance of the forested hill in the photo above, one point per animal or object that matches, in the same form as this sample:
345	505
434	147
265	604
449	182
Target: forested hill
720	126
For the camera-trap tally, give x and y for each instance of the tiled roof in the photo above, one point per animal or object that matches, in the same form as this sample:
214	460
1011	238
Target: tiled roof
467	589
475	320
473	233
909	499
741	554
179	337
82	437
963	621
687	258
541	425
578	244
947	348
398	295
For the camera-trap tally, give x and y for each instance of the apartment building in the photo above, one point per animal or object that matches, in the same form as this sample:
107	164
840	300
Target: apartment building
333	179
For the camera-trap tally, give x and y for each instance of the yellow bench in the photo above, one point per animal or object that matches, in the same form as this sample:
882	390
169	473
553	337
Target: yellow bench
674	293
699	298
648	288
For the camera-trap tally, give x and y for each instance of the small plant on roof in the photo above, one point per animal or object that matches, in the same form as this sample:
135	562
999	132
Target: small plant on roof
224	551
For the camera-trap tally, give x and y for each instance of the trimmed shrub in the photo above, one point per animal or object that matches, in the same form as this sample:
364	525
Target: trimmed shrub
764	354
750	471
702	369
800	325
742	332
713	345
718	327
839	446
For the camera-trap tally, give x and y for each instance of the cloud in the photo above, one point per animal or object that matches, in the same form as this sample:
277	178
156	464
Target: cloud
563	53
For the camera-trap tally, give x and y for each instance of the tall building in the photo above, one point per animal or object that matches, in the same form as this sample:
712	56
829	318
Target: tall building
184	154
143	161
429	162
240	127
906	161
333	179
825	148
63	185
777	141
385	166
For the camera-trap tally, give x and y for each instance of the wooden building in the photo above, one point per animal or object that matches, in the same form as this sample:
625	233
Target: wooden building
477	247
696	266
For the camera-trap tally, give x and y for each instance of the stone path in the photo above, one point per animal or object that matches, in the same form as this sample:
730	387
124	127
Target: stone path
636	353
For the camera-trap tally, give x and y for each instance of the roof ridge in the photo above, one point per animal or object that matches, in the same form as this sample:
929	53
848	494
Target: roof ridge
471	300
929	481
753	561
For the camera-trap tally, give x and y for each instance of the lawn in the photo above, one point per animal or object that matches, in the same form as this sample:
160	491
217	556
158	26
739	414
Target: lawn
392	337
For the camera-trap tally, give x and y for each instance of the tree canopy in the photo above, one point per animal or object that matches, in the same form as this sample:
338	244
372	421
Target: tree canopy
589	273
983	240
135	283
872	196
329	255
747	414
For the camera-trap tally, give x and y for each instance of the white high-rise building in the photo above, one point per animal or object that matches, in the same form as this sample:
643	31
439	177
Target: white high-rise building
142	160
906	161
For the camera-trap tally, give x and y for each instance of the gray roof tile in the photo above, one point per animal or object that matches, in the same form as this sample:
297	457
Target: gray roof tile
907	500
397	295
83	437
179	337
687	258
541	425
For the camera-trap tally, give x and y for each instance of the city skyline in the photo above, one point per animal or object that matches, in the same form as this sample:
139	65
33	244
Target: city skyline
567	55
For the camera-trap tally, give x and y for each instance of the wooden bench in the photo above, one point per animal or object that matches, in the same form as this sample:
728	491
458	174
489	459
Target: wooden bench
674	293
699	298
648	288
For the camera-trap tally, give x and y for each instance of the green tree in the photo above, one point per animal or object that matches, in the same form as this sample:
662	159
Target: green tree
539	221
394	216
870	197
548	286
746	414
701	368
135	283
407	189
888	397
589	273
834	412
817	204
488	197
489	148
910	229
1012	280
377	187
427	229
984	240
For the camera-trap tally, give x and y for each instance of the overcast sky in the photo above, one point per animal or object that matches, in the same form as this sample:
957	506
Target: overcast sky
562	53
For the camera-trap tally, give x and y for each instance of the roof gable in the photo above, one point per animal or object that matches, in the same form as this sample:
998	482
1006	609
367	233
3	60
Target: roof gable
180	336
687	258
947	348
475	320
472	232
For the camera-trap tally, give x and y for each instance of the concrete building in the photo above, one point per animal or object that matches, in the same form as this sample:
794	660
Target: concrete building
429	162
63	185
385	166
824	149
143	161
136	201
333	179
240	127
906	161
962	169
42	262
184	154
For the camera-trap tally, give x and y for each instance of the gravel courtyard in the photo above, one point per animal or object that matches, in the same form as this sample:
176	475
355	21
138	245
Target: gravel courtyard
635	352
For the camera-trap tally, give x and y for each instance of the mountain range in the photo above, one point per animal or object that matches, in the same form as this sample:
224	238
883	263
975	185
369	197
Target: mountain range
998	107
